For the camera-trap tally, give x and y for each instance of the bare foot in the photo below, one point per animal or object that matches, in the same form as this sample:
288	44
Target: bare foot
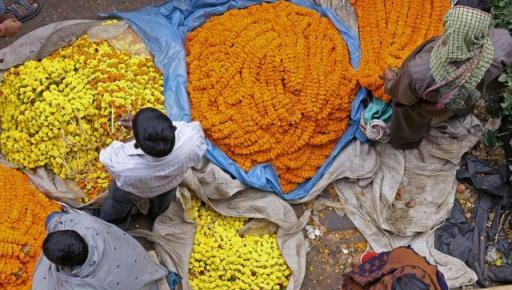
10	27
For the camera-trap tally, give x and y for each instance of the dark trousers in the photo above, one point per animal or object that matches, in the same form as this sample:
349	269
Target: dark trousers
408	127
410	124
119	203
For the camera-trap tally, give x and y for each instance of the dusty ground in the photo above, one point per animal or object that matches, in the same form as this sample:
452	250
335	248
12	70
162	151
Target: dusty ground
331	254
331	251
59	10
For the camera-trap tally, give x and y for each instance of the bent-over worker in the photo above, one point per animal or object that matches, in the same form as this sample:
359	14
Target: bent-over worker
445	76
83	252
151	166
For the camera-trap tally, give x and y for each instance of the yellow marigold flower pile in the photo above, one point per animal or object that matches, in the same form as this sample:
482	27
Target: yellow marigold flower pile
271	83
390	30
223	260
23	211
59	112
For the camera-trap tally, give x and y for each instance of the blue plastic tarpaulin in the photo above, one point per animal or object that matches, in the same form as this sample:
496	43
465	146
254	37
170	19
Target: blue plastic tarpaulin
164	28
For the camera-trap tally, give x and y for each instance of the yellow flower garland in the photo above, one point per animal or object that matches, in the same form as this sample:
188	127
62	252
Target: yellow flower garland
271	83
61	111
23	211
390	30
223	260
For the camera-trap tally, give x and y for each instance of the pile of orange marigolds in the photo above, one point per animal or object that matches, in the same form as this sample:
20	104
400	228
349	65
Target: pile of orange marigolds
23	212
271	83
389	31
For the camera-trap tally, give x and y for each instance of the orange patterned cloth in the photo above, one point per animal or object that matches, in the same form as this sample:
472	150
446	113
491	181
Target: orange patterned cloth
390	30
271	83
23	211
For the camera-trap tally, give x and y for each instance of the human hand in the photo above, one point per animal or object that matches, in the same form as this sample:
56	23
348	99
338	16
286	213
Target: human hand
389	74
126	121
10	27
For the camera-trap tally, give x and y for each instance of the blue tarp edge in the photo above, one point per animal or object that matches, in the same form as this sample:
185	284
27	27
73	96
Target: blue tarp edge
163	29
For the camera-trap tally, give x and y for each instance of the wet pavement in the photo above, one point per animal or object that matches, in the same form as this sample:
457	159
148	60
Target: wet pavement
330	252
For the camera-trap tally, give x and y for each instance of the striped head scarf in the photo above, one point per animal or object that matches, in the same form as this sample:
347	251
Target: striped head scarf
466	39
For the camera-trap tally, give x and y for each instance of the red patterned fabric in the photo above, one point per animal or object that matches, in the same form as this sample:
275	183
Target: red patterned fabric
379	272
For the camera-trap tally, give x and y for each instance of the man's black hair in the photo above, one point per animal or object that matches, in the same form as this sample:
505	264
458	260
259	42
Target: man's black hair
408	282
65	248
483	5
154	132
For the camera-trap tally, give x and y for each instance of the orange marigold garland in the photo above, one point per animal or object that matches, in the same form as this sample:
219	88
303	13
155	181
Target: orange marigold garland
271	83
23	210
390	30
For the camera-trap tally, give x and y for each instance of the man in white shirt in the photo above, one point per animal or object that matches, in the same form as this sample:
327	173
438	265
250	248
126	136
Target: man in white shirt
151	166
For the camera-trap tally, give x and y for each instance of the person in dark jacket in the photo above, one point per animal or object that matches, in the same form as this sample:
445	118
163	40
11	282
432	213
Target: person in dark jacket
446	75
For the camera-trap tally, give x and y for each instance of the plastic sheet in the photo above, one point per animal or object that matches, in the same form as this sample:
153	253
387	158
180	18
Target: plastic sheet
121	37
164	28
478	241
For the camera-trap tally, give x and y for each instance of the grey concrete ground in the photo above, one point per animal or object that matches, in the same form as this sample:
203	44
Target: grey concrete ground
58	10
330	254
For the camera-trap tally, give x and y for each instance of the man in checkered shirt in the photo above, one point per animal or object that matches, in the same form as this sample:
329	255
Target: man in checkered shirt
151	166
445	76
